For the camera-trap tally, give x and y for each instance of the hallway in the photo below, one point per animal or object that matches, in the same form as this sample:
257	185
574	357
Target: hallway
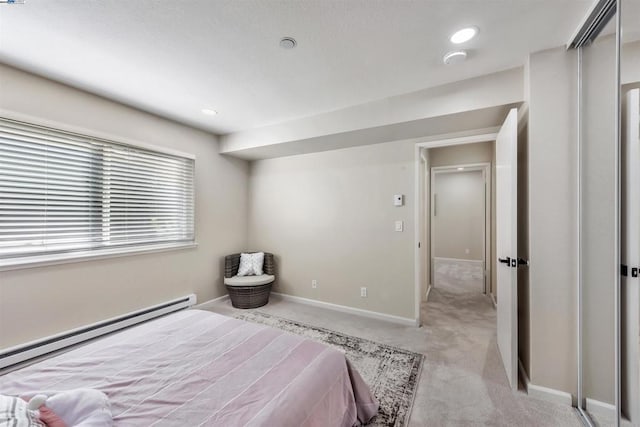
467	383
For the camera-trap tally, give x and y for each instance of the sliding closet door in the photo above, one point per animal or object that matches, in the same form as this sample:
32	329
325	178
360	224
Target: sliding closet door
599	219
630	257
630	212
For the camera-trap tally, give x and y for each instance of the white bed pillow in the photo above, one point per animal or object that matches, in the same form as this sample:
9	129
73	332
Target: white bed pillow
14	412
80	407
251	264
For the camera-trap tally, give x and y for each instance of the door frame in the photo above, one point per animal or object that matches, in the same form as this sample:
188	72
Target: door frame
485	168
422	205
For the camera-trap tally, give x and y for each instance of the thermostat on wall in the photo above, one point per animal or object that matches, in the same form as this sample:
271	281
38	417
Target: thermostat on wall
398	200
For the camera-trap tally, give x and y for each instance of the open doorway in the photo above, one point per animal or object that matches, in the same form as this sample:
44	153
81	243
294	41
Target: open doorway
502	151
460	220
454	230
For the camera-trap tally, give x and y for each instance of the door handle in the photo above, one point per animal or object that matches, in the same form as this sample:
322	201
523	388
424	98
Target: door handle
624	270
506	260
522	261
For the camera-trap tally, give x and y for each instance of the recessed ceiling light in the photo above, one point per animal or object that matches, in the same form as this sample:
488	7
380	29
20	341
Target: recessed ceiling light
288	43
464	35
209	112
460	169
454	57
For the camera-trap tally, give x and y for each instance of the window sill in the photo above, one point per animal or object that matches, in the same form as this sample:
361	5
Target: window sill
65	258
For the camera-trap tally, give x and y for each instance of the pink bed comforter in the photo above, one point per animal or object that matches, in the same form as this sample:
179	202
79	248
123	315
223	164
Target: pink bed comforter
199	368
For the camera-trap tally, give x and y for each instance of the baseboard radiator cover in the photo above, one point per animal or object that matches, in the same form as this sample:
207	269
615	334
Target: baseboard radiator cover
30	350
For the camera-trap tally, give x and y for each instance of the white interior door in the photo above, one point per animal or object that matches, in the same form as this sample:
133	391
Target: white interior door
507	244
630	257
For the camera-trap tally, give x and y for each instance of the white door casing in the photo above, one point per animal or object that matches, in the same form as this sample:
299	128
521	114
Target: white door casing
507	244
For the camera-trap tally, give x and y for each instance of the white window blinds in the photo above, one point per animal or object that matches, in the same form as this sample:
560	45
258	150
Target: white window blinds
63	192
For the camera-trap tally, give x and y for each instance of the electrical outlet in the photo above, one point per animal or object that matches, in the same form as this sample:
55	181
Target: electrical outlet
363	292
314	283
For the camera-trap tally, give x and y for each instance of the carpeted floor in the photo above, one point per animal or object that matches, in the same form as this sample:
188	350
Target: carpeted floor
391	372
458	275
469	385
462	382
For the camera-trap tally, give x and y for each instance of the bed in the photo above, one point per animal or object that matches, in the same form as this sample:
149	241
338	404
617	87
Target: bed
199	368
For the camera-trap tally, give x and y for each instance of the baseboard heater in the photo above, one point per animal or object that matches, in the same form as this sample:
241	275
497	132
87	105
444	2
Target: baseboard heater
24	352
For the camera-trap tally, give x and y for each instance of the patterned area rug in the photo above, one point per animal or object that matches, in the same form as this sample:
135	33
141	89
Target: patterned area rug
391	372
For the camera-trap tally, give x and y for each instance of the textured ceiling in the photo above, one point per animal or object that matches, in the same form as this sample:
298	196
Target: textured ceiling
176	57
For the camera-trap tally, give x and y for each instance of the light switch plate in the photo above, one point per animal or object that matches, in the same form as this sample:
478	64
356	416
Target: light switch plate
399	225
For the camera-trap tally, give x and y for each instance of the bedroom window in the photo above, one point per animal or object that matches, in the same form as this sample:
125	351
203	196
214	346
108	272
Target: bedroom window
66	196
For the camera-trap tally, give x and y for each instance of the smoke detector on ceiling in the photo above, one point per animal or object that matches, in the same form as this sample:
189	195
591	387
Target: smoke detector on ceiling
455	57
288	43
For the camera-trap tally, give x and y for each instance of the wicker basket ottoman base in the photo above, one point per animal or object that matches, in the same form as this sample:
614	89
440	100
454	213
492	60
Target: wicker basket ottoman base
249	296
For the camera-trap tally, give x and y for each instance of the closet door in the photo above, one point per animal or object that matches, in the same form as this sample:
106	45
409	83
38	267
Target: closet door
600	263
630	212
630	257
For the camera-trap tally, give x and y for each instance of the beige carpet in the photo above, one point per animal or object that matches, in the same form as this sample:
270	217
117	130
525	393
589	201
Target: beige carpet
461	275
468	385
462	381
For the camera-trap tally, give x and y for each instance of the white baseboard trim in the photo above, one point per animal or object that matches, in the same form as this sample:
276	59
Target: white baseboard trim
351	310
544	393
207	304
603	410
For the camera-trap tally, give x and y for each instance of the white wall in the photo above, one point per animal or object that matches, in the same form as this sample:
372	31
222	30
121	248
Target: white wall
470	104
37	302
330	217
459	215
552	218
480	152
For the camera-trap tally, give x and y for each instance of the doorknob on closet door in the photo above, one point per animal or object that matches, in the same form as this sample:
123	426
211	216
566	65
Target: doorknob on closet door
506	260
624	270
